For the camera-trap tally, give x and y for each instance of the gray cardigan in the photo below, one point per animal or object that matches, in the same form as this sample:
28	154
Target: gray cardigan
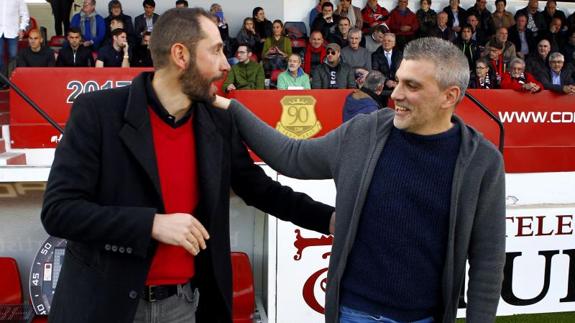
349	155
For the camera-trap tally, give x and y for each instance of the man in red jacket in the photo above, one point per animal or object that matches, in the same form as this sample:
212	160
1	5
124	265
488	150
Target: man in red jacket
519	80
403	23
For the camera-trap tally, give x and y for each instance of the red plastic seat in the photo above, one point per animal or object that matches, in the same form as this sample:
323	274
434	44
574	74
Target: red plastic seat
243	288
11	291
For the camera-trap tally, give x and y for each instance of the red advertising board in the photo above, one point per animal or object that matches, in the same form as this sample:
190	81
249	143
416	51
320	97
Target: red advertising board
539	128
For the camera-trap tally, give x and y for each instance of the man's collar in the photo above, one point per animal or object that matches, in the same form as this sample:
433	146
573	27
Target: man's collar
159	109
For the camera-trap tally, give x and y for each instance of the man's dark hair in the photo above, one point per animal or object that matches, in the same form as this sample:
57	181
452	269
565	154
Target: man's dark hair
177	25
184	2
146	33
247	46
150	3
74	30
117	19
118	32
256	10
504	2
327	4
466	26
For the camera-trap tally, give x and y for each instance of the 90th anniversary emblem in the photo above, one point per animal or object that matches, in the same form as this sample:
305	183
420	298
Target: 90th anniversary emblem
298	119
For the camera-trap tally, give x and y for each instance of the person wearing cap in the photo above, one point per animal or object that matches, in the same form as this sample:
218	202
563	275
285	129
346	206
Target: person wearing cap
333	73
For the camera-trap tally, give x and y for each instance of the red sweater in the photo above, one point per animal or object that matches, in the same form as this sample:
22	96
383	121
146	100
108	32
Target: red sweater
396	20
176	161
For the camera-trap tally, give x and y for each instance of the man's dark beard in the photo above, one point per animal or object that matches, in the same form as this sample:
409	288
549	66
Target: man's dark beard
195	86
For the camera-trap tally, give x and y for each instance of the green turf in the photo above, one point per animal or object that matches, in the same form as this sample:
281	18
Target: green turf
566	317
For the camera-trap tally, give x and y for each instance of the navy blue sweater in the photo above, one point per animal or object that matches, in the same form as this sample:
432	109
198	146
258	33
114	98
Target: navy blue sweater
396	263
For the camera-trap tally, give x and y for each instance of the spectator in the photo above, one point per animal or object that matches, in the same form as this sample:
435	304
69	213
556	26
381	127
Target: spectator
341	34
375	38
502	17
484	77
142	56
478	34
495	59
116	54
367	99
508	50
316	11
484	16
246	74
294	78
74	54
426	17
91	24
36	55
569	49
442	30
571	21
333	74
468	46
61	11
522	37
373	15
327	21
535	19
403	23
538	63
14	20
247	35
456	15
276	49
558	78
145	22
554	35
115	23
355	56
314	52
182	4
217	11
353	13
386	59
551	12
115	11
518	79
264	27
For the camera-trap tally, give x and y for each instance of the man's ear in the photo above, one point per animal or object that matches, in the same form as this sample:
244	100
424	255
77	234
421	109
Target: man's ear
450	97
180	55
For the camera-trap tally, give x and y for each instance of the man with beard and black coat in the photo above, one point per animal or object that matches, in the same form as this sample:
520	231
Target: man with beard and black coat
140	188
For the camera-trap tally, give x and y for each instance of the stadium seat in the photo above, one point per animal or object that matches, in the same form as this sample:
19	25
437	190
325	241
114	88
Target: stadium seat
243	288
56	42
11	291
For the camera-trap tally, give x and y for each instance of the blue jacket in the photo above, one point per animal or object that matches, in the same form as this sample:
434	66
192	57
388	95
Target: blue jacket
353	106
100	29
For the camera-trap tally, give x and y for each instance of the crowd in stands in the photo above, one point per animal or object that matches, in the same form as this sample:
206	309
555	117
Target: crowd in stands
527	51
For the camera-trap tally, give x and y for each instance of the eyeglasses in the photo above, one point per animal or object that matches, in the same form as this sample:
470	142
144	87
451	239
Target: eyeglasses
480	67
556	62
330	52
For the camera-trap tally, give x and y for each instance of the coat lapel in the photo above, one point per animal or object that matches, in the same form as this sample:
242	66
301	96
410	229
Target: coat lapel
137	131
209	154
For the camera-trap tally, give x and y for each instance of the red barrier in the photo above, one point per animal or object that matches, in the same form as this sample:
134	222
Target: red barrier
539	127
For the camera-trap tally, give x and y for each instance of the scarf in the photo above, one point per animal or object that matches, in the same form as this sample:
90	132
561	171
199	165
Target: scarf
498	66
521	79
93	26
308	53
484	82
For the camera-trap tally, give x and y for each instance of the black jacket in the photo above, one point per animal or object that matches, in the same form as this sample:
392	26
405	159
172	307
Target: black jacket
83	57
379	62
140	25
345	78
516	40
104	189
565	77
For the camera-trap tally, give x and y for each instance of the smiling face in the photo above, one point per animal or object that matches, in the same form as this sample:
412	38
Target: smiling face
343	26
481	69
316	39
421	106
